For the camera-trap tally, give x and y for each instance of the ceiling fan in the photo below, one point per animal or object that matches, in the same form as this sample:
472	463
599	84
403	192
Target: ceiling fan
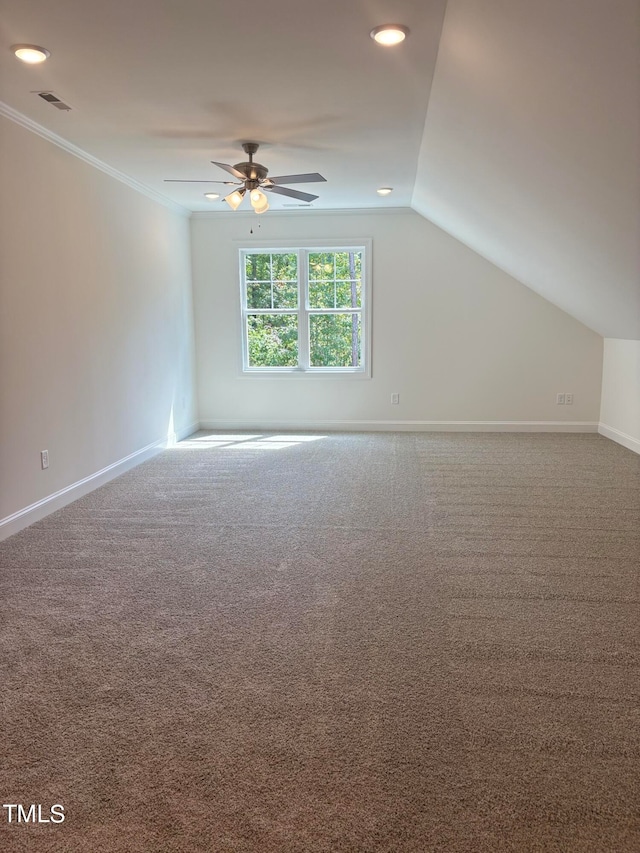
252	178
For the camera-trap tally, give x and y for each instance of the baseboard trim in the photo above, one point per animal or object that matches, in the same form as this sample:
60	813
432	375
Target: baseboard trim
40	509
404	426
622	438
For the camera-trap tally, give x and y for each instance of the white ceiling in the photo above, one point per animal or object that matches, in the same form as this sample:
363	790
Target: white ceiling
512	124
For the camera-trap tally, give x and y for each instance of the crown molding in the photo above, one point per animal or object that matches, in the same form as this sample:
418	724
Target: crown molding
70	148
351	211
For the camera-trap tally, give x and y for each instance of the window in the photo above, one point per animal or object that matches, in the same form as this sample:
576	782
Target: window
305	310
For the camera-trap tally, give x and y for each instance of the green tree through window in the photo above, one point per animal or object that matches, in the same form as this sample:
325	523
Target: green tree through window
304	309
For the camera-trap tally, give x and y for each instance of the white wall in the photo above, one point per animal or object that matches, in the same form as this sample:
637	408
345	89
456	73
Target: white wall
96	337
530	148
620	412
458	339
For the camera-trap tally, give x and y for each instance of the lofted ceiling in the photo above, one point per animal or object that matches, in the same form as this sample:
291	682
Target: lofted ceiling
514	125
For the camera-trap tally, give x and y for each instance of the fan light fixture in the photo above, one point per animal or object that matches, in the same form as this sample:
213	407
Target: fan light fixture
30	53
384	190
389	34
234	199
259	201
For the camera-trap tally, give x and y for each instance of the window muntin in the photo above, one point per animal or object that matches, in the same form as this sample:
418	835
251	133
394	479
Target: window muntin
305	310
335	280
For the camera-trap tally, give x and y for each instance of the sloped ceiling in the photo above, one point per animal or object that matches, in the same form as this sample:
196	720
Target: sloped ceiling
531	148
512	124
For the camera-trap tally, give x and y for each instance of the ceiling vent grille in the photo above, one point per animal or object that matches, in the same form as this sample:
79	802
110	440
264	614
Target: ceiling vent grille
54	100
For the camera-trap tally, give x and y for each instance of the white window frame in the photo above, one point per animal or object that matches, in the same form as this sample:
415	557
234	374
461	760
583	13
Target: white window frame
303	248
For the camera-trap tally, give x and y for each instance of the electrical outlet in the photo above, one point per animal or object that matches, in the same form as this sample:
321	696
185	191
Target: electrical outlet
560	399
568	399
395	399
44	459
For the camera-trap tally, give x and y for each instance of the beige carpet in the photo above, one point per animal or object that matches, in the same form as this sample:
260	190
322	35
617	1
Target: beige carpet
389	642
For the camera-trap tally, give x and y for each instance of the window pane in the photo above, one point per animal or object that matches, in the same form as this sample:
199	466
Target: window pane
321	266
273	340
285	294
345	265
335	280
285	267
259	295
335	340
271	280
322	294
348	294
257	267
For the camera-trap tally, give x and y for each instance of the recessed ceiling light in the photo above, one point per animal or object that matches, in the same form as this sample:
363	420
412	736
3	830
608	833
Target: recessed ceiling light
30	53
384	190
212	196
389	34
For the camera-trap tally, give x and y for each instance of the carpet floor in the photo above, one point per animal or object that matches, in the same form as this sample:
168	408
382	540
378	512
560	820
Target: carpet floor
330	644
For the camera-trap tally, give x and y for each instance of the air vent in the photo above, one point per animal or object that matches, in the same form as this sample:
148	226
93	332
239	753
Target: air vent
296	205
54	100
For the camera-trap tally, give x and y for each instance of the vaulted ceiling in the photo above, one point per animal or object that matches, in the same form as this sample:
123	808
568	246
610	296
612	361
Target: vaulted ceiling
514	125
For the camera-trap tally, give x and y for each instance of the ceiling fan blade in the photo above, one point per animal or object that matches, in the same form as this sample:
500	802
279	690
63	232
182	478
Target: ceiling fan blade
189	181
230	169
310	178
291	193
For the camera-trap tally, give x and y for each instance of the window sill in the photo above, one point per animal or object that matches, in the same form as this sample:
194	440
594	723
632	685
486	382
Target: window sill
298	373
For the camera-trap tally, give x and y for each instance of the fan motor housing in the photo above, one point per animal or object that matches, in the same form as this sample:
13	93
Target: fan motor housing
252	171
